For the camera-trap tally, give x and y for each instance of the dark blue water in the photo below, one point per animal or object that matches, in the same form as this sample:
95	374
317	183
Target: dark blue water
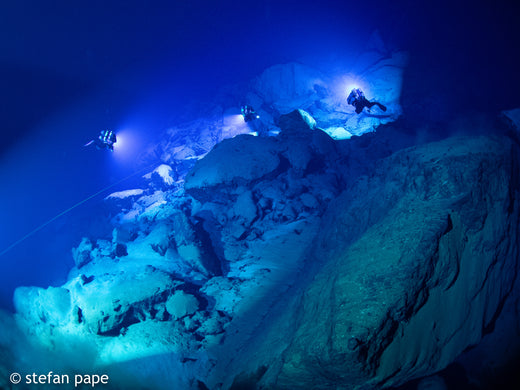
70	69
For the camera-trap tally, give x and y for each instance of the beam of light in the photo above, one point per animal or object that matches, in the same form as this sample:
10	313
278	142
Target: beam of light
129	144
234	124
341	87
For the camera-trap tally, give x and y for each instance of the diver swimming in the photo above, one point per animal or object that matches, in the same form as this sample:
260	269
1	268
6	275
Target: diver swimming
357	99
106	140
249	113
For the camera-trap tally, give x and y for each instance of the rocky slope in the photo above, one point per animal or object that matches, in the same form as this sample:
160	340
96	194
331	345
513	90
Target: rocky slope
320	254
290	262
416	272
281	89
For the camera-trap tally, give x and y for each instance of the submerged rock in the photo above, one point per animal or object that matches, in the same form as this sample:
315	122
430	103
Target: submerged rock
419	260
162	176
238	160
81	254
512	119
296	261
297	121
291	266
180	304
282	89
289	86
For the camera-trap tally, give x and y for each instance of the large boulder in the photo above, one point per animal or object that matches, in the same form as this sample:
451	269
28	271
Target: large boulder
296	121
104	304
181	304
238	160
419	258
246	160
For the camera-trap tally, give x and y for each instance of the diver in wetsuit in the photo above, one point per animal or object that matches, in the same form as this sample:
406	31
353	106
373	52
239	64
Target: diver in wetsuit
249	113
106	140
357	99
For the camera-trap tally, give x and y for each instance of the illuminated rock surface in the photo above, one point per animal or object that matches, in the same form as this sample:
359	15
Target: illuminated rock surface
416	271
294	261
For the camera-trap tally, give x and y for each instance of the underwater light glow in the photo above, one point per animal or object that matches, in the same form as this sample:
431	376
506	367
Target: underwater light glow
346	83
129	144
234	124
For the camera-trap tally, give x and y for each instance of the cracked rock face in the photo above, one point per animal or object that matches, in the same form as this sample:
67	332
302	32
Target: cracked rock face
417	270
295	262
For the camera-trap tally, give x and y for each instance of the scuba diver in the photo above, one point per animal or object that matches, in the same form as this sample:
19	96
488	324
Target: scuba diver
249	113
357	99
106	140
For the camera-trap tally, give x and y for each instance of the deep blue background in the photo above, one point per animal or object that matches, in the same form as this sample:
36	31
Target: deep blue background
71	68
